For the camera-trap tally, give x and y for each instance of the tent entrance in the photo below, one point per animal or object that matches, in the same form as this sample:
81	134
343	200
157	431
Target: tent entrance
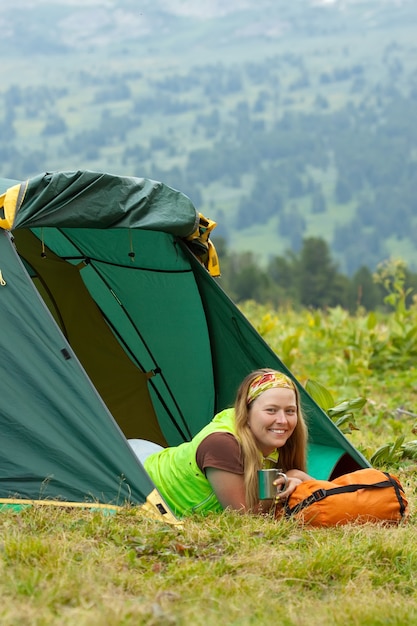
119	381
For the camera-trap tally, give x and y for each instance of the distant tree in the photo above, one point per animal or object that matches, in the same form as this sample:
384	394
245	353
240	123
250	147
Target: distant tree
204	166
296	239
295	184
241	110
233	82
292	224
211	123
318	202
117	91
302	82
243	278
341	73
7	132
158	142
343	191
247	213
13	97
320	284
135	154
264	202
283	272
358	247
358	85
365	213
55	125
320	102
363	291
92	153
262	73
325	78
261	102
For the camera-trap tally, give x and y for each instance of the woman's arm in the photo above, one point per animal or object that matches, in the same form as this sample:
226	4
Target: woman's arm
228	487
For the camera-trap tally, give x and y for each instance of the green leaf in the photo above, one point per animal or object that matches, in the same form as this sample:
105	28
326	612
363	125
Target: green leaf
381	455
398	443
320	394
410	450
388	453
347	405
372	321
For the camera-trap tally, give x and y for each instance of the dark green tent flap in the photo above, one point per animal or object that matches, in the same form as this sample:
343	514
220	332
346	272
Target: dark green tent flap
57	436
131	338
96	200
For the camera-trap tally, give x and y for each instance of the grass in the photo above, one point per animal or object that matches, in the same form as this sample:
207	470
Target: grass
64	567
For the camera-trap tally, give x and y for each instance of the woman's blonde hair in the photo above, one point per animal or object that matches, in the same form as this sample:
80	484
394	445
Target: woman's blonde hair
291	456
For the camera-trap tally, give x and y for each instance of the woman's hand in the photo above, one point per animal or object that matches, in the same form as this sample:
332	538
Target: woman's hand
294	478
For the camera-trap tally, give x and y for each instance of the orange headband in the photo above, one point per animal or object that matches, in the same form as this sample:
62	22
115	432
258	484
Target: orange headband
269	380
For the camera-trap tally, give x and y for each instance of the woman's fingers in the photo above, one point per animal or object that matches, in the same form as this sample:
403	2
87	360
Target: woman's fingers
288	486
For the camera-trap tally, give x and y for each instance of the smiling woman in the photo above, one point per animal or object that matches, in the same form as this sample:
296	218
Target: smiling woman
272	418
218	468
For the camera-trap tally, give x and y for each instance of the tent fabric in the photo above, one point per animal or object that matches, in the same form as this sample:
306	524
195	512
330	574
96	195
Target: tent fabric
124	385
57	437
116	330
87	199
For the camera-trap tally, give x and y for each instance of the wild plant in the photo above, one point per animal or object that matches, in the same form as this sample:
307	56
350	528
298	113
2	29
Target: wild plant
397	346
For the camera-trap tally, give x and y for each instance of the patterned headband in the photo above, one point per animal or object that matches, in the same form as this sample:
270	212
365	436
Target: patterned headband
269	380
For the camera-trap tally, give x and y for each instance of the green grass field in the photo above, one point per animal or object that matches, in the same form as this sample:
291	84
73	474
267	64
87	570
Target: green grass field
82	568
65	567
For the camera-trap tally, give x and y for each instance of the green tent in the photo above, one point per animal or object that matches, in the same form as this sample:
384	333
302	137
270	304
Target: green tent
113	328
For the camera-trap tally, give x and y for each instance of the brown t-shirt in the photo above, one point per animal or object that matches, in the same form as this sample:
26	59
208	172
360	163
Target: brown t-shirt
221	451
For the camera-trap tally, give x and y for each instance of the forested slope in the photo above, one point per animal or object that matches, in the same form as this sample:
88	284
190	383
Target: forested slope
279	120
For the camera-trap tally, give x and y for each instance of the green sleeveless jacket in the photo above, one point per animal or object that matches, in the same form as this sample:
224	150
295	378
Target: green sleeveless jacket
178	478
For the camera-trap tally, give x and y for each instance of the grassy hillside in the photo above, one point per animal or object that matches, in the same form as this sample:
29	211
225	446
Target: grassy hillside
195	96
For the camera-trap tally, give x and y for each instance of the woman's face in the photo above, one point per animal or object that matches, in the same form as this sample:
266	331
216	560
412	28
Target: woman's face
272	418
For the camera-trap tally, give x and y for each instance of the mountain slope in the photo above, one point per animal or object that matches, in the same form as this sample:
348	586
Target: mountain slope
280	120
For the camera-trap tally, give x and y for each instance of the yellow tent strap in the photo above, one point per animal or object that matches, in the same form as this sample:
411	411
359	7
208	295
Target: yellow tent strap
203	248
10	202
154	507
9	502
213	265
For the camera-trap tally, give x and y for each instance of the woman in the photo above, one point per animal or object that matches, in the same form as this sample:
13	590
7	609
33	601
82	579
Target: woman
218	468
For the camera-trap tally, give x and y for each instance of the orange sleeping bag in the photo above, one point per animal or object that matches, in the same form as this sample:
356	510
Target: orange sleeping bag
367	495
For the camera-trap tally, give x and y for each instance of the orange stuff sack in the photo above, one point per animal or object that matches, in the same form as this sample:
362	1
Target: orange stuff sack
367	495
